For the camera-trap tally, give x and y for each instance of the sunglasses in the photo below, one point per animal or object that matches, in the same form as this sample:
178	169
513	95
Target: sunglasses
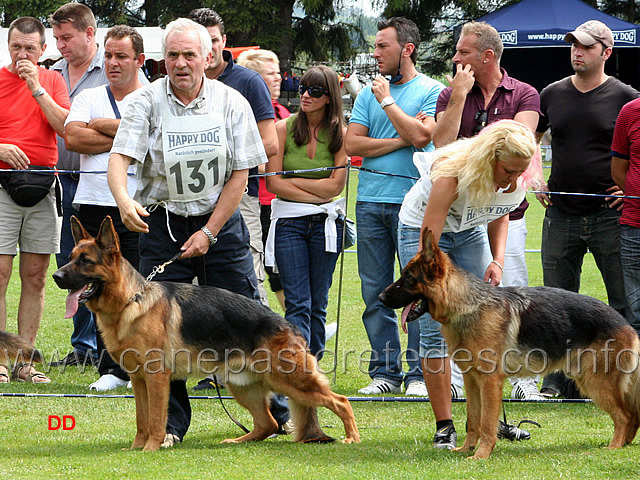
315	92
481	117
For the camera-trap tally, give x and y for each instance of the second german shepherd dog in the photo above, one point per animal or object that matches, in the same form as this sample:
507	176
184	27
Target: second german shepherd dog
493	333
14	347
162	330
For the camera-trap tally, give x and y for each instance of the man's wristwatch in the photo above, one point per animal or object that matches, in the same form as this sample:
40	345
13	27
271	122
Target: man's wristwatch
207	232
39	92
386	101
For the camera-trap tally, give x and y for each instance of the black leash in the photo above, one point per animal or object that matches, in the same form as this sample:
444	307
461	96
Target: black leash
233	419
504	416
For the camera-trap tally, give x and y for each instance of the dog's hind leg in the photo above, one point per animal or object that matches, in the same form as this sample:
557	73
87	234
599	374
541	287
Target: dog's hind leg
254	398
307	388
306	426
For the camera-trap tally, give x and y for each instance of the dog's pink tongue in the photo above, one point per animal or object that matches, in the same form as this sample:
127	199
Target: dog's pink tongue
72	303
405	313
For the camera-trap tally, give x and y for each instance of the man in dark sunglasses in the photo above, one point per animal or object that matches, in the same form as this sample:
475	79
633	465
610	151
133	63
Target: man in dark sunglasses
481	93
384	130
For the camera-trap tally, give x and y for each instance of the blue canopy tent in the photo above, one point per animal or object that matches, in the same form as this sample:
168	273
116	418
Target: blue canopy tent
535	51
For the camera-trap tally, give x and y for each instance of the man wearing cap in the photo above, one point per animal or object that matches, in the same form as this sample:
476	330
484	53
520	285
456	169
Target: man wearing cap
581	111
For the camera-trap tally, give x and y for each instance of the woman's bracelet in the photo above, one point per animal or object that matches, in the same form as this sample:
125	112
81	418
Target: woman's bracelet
500	266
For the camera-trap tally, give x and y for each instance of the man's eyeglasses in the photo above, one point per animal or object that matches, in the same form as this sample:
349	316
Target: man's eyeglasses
315	92
481	117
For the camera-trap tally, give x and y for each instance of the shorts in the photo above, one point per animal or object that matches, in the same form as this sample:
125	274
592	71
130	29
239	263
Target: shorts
36	229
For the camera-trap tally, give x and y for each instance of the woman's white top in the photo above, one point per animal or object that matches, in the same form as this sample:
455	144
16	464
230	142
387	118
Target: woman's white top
462	214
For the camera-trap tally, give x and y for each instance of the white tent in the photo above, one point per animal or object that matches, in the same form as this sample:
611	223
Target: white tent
151	36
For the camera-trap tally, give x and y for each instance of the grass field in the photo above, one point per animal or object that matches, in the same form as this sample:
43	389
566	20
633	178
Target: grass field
396	437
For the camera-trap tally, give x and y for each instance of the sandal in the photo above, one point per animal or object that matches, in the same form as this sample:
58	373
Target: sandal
33	377
4	375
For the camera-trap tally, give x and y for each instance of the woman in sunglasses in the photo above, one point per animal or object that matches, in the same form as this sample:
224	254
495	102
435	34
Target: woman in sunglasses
306	218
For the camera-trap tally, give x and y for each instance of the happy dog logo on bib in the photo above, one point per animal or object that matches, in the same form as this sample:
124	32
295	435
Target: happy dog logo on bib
177	141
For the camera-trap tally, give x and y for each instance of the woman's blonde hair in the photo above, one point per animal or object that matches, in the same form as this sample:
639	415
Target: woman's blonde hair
256	59
473	160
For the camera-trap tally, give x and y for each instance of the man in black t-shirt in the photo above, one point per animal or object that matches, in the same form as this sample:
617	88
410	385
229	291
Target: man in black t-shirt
581	111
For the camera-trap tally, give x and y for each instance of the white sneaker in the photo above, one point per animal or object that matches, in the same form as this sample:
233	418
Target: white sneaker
526	389
456	392
107	382
416	389
129	386
378	385
330	330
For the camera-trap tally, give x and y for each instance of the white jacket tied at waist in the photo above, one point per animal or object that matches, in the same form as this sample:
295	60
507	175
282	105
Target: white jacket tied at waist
284	209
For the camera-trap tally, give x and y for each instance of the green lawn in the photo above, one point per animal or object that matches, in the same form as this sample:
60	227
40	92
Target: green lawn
396	437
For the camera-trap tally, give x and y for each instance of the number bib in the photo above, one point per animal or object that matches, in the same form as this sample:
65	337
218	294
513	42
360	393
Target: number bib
194	155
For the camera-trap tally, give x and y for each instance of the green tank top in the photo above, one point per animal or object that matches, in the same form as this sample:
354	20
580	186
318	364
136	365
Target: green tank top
295	157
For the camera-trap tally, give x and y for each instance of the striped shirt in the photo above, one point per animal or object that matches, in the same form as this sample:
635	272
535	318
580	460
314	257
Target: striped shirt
140	137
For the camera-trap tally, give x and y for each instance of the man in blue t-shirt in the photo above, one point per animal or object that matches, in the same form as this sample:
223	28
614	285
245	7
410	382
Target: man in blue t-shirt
386	129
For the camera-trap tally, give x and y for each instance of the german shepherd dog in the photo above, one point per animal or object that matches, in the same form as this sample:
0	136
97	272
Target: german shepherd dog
163	330
14	347
493	333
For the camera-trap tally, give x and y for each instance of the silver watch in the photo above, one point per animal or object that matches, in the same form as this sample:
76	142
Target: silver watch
41	91
386	101
207	232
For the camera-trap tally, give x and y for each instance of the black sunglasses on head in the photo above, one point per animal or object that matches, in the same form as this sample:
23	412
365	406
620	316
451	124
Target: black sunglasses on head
481	117
315	92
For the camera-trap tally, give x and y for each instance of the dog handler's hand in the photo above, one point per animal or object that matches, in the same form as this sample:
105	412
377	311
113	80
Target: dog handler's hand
493	274
196	246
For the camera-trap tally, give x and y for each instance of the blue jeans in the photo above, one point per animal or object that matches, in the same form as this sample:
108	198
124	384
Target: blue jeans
630	259
306	273
565	239
83	338
377	225
469	250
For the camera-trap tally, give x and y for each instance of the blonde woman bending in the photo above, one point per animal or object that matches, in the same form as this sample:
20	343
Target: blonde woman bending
464	196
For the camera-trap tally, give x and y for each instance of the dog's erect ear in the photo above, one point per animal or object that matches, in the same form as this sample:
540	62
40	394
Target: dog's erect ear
77	230
107	236
427	244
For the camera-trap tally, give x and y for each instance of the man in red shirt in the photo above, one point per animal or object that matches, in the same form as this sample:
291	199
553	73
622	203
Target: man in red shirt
34	104
625	170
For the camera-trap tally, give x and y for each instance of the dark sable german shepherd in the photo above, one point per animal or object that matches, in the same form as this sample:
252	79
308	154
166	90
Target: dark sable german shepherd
163	330
494	332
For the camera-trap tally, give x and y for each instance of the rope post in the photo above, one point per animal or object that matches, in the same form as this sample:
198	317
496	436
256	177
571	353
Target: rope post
344	230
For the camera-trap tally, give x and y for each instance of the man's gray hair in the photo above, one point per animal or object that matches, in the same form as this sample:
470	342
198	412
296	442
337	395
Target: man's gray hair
183	25
487	37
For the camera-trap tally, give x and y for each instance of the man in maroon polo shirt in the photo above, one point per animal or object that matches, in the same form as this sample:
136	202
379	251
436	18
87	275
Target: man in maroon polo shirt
481	93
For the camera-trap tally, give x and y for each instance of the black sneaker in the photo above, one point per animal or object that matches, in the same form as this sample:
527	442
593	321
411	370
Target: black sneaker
511	432
208	384
74	359
446	438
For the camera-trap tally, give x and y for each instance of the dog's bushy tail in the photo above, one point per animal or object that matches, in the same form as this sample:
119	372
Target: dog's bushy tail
14	347
632	398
